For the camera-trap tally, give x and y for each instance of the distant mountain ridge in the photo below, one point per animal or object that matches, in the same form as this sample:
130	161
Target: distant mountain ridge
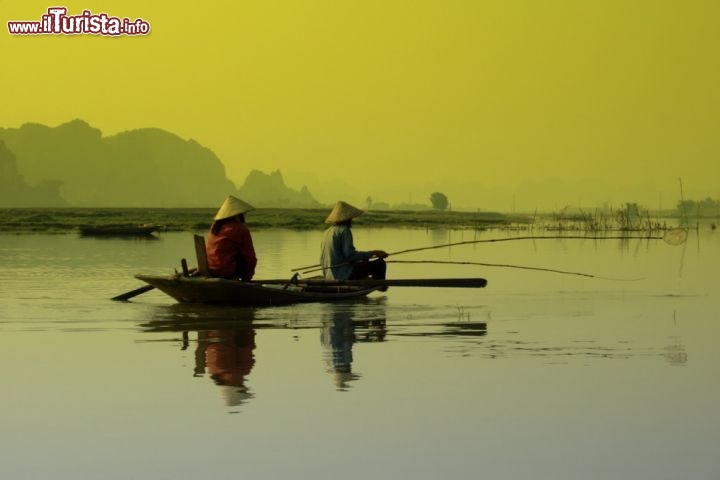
74	165
271	191
14	190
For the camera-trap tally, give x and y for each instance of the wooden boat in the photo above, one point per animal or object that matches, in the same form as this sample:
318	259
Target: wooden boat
197	286
120	230
261	293
200	289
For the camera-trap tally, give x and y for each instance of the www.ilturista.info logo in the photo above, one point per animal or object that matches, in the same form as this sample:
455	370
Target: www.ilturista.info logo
58	22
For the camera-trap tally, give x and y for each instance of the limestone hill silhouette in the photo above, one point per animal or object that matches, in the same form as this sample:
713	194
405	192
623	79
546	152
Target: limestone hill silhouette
74	165
270	191
14	190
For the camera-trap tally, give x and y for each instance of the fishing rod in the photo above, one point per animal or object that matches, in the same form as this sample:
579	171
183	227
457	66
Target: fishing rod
503	265
522	267
672	237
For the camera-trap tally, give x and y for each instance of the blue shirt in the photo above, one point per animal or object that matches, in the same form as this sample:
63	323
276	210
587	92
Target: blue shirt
338	248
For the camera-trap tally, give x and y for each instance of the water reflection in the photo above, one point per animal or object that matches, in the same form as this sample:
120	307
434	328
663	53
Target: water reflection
675	352
181	317
463	325
226	353
225	350
225	337
343	325
227	356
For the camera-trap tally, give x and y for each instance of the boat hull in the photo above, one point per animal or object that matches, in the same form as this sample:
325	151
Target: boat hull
221	291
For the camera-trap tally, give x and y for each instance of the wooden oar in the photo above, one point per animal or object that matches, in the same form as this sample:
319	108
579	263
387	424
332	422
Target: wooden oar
422	282
139	291
394	282
133	293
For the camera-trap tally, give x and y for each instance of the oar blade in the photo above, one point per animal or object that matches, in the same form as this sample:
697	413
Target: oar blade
133	293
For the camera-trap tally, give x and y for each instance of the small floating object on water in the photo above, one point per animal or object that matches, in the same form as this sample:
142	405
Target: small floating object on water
120	229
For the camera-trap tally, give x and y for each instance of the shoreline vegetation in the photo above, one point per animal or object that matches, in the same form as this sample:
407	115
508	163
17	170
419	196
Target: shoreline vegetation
69	220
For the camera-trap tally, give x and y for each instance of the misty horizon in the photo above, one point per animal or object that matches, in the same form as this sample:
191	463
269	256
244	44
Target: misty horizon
500	106
551	195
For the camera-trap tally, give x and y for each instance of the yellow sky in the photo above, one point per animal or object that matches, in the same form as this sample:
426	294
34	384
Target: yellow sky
499	104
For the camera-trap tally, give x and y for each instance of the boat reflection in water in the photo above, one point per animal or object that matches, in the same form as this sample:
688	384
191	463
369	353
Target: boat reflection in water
225	349
225	345
343	325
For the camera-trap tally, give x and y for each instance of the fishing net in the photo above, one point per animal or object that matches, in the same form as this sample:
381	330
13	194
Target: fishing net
676	236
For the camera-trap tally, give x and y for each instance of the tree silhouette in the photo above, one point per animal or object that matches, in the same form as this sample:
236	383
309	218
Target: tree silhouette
439	201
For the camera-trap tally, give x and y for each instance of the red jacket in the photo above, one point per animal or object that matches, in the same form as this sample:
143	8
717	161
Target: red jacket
230	253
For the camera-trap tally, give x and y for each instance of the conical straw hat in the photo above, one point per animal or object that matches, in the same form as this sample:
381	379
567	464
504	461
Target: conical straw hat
343	211
232	206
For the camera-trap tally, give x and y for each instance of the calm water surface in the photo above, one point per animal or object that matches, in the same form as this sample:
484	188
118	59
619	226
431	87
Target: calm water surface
539	375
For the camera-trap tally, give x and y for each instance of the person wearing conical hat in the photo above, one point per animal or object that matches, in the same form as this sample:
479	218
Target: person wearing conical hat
230	251
339	258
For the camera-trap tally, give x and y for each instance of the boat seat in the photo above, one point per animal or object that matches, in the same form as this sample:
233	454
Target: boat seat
201	253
